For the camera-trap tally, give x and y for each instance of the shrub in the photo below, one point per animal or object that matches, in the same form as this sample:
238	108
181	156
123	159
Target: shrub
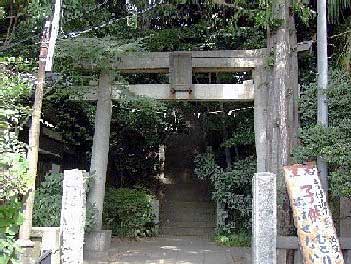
128	212
10	220
231	188
234	240
331	143
14	179
47	205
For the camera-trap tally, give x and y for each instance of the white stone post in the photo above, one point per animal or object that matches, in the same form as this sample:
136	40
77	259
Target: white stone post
73	214
100	149
264	215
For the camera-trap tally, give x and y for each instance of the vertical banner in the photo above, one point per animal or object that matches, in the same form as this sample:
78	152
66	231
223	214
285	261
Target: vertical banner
313	220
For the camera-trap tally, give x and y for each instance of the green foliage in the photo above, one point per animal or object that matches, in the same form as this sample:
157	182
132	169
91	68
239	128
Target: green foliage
95	52
47	205
267	17
206	35
234	240
13	89
231	187
10	220
2	12
128	212
242	129
303	11
14	179
48	202
332	143
336	8
140	126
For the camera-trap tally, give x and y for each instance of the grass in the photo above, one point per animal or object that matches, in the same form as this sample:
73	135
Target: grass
234	240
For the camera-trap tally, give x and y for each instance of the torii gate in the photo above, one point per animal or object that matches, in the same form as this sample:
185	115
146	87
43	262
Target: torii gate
180	66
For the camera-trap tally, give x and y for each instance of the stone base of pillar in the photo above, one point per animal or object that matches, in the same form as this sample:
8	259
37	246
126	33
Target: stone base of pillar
26	255
298	259
345	217
96	245
25	243
50	240
95	256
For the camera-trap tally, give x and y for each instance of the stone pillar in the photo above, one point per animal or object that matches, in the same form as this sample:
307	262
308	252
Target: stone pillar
298	259
345	217
260	116
221	214
162	157
100	149
73	217
97	244
55	168
264	214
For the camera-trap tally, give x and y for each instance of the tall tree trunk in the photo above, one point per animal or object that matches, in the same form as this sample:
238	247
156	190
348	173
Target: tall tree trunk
322	64
282	109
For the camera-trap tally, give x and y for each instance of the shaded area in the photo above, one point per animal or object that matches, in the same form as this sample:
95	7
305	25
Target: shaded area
174	250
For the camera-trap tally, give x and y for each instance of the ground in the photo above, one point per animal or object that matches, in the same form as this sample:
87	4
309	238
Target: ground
174	250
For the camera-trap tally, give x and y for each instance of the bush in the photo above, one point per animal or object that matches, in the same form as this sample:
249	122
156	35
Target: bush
10	220
234	240
47	204
128	212
331	143
14	179
231	188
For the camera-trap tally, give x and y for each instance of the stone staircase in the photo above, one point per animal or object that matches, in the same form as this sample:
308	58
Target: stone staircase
186	210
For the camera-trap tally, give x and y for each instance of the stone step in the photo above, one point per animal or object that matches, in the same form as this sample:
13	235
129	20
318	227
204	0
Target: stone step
188	231
174	204
187	196
186	206
193	186
187	210
188	224
188	214
192	212
188	218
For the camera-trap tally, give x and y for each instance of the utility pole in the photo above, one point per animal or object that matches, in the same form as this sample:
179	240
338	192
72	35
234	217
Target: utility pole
322	65
48	40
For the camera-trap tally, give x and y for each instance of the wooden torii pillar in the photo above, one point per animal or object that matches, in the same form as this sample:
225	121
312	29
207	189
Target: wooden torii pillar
101	143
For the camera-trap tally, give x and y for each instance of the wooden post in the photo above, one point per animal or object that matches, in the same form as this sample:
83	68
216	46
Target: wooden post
48	41
34	133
